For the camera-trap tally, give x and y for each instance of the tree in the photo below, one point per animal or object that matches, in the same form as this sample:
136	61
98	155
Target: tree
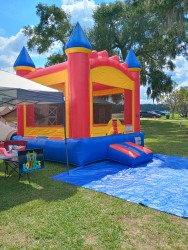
172	101
142	26
183	104
177	100
54	27
173	14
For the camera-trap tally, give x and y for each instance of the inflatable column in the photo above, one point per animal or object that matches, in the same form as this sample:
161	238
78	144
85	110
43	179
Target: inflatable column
134	68
78	49
20	120
23	66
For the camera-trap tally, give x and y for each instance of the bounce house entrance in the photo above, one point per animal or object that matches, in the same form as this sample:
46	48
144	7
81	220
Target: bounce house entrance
111	114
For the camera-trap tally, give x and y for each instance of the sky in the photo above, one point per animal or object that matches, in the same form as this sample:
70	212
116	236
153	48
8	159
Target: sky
16	14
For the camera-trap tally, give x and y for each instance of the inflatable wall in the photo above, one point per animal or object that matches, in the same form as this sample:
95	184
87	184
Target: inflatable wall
86	150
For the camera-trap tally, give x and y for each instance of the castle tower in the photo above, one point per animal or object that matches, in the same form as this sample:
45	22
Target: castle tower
134	68
78	49
24	64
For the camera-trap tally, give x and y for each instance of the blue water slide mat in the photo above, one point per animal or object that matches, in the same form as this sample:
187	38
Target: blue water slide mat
161	184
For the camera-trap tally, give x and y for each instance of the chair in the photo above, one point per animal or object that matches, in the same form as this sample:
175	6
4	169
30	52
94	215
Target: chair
12	163
30	160
10	160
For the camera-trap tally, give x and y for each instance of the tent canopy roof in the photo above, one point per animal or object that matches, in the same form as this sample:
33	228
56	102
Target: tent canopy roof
15	89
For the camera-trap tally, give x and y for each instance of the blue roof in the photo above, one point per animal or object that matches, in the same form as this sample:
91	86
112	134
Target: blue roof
132	60
78	39
24	59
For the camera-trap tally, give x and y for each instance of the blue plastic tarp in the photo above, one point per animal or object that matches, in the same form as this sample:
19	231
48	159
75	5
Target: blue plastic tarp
161	184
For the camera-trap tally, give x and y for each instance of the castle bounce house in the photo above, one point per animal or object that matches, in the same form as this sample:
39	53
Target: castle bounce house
88	78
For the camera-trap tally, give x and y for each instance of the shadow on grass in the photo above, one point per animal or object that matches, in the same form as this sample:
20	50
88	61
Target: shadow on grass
41	187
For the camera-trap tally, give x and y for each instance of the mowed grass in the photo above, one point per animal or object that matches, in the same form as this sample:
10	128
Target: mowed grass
49	214
168	137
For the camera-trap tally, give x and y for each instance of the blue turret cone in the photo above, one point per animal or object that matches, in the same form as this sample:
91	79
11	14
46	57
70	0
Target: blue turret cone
78	39
132	60
24	59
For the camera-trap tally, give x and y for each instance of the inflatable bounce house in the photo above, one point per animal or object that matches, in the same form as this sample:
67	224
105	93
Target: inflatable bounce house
88	78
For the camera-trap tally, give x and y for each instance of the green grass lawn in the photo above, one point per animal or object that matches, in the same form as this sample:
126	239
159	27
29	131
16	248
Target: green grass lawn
168	137
48	214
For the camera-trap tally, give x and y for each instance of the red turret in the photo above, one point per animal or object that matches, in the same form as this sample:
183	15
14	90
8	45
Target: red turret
78	49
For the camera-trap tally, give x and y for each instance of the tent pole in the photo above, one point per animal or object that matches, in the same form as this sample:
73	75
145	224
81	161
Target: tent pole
65	135
66	148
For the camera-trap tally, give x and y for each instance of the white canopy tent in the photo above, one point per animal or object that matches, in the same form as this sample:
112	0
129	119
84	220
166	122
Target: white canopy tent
15	89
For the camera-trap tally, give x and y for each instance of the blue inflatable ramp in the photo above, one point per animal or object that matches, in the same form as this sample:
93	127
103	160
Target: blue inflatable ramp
129	153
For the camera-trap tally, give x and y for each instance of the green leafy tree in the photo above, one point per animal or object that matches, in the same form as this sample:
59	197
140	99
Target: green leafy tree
177	101
141	25
172	101
183	104
54	27
174	16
